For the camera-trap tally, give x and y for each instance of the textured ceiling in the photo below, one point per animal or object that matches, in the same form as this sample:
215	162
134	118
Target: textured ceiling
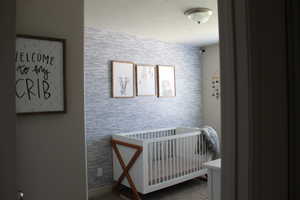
156	19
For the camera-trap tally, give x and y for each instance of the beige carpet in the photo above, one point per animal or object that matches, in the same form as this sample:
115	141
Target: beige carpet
191	190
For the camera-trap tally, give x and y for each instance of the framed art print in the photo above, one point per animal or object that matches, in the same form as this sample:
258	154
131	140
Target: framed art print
166	81
40	74
122	79
145	80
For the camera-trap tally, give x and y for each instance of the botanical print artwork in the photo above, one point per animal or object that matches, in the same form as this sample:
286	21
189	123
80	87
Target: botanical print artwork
166	89
123	79
166	81
145	80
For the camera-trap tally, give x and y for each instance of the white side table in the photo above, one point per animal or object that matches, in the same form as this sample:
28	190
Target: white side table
214	179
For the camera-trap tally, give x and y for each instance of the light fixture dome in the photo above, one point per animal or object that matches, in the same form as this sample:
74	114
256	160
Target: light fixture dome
199	15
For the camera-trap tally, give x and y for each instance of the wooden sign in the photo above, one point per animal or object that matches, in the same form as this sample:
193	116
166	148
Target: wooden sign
39	75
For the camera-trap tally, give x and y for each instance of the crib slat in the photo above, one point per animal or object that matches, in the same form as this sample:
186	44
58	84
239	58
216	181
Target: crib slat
202	152
189	158
180	156
197	152
180	151
155	162
163	152
177	157
186	155
194	153
200	143
167	160
150	162
170	159
160	162
163	160
183	156
174	158
191	146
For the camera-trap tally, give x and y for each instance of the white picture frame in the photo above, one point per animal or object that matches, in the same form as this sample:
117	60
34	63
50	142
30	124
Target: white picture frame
166	81
145	80
123	79
40	75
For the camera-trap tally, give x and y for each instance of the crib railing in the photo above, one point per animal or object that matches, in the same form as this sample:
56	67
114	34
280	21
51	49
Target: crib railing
175	157
152	135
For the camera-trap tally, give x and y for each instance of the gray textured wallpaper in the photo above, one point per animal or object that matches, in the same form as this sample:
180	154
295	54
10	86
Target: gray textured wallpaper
105	115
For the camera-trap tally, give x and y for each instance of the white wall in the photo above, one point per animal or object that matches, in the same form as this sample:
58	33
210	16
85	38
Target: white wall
211	105
51	161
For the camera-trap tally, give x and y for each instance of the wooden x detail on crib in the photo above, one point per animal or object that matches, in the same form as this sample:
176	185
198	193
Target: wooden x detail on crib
125	168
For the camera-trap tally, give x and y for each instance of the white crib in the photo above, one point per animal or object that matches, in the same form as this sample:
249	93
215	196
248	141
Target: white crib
166	157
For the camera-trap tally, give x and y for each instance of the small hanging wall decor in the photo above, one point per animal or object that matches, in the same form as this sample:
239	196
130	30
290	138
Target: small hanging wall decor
40	77
215	85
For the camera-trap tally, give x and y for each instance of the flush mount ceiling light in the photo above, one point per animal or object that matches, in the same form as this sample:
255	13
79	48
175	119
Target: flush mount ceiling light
199	15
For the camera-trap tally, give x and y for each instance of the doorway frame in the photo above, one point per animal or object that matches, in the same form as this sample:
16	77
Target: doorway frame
293	8
7	101
234	99
251	40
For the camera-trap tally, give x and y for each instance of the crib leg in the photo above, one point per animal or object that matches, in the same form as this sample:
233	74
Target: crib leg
125	168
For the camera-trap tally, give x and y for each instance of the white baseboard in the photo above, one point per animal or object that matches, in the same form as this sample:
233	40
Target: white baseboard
94	194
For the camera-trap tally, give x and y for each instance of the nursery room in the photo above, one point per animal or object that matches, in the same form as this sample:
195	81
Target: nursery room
149	99
152	99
